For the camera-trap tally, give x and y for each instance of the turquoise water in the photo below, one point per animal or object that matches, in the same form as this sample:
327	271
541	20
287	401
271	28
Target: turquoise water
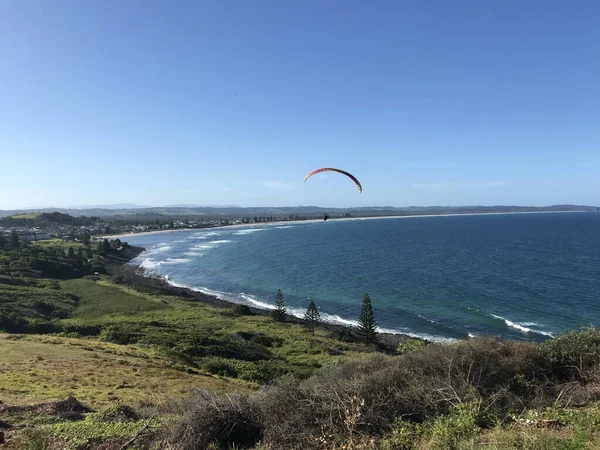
523	276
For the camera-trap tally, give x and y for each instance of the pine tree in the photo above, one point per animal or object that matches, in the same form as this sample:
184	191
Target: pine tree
3	242
312	318
279	311
106	246
85	238
71	253
15	243
367	328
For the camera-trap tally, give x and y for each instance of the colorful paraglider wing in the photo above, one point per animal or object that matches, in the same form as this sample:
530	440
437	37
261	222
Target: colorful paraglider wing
324	169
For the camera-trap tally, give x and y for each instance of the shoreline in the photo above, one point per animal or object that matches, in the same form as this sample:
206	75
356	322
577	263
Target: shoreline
231	299
388	341
340	219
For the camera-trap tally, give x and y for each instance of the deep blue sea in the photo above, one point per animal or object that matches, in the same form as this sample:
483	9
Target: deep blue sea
523	276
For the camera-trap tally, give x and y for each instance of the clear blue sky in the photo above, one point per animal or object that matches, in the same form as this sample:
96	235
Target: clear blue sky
233	102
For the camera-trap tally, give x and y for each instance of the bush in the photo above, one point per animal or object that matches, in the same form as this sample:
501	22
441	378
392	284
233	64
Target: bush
410	345
242	310
573	355
212	420
219	366
457	429
417	387
120	334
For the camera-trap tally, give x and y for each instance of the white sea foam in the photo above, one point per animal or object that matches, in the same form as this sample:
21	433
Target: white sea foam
150	264
257	303
201	247
223	241
249	231
471	335
194	254
176	261
284	227
425	318
161	248
521	326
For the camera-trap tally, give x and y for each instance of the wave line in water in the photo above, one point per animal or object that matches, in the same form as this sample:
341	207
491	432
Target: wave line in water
249	231
176	261
521	327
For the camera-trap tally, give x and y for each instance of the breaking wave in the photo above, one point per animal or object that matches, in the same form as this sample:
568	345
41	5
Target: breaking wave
521	326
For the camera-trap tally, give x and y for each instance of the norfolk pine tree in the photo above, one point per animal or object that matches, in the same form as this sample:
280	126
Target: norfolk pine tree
367	327
279	311
312	318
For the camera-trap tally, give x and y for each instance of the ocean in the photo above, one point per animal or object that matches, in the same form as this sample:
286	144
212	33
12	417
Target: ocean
519	276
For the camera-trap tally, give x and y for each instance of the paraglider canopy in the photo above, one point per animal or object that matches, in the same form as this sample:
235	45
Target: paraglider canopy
324	169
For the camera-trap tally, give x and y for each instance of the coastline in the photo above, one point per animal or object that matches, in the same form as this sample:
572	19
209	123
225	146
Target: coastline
340	219
388	342
260	306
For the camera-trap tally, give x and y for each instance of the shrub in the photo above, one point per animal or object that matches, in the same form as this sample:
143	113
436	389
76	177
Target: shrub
410	345
212	420
457	429
449	390
242	310
573	354
120	334
219	366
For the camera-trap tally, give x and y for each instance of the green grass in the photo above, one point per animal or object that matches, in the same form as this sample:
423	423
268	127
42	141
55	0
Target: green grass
58	243
45	431
36	368
35	302
26	216
165	338
547	429
171	322
100	303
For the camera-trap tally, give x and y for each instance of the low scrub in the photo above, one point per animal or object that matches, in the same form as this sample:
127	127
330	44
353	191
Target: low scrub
574	355
441	395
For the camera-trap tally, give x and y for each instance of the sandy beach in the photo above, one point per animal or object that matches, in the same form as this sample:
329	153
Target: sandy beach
341	219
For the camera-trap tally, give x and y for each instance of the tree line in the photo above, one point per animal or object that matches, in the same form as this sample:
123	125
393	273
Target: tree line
366	328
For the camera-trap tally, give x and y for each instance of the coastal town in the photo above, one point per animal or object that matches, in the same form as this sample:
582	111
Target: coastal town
36	227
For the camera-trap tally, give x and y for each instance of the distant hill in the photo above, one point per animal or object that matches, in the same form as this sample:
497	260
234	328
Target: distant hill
36	219
115	206
235	211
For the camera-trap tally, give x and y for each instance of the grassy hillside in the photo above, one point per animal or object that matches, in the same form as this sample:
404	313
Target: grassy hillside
142	364
37	368
197	335
480	394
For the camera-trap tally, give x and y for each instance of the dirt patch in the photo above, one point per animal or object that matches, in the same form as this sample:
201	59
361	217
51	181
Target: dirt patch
63	408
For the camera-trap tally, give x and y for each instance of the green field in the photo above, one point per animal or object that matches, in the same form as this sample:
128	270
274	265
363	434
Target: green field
26	216
58	243
37	368
161	338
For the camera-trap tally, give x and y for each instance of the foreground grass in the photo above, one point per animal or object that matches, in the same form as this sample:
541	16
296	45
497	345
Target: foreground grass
254	348
45	368
162	357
